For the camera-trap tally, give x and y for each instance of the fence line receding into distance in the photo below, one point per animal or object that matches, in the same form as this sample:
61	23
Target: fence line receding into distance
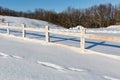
82	35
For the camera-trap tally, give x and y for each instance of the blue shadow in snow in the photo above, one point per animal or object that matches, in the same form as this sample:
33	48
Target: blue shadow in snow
93	44
59	39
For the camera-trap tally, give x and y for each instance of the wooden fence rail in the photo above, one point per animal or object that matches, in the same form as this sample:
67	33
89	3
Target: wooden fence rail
102	37
82	35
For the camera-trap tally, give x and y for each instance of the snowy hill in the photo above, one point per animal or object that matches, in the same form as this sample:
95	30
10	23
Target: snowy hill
17	21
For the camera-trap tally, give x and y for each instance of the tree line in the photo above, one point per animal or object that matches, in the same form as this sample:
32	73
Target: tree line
96	16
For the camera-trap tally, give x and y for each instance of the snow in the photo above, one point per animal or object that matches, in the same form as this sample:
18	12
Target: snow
75	69
59	68
17	21
17	57
3	55
110	78
24	59
48	62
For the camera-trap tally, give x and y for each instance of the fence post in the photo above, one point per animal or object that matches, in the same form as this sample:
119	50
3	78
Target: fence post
8	30
23	30
82	38
47	34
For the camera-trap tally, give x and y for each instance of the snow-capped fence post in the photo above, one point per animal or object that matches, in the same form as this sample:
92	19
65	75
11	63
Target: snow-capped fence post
47	34
23	30
8	30
82	38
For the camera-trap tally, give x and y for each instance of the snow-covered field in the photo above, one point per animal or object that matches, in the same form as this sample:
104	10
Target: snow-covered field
26	60
23	60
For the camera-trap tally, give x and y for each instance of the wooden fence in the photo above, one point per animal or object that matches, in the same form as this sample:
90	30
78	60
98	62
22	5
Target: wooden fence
82	35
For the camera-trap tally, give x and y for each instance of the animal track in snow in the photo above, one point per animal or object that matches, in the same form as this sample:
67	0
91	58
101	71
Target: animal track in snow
110	78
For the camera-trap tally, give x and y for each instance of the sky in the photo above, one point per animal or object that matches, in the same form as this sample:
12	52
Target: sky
56	5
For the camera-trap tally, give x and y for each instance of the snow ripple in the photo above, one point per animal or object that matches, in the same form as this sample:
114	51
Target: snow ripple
59	68
110	78
3	55
17	57
75	69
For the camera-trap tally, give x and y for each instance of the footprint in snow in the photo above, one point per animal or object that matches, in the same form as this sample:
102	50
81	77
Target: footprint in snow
110	78
59	68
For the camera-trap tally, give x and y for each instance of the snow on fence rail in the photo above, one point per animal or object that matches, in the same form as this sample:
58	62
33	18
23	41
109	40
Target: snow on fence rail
47	31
